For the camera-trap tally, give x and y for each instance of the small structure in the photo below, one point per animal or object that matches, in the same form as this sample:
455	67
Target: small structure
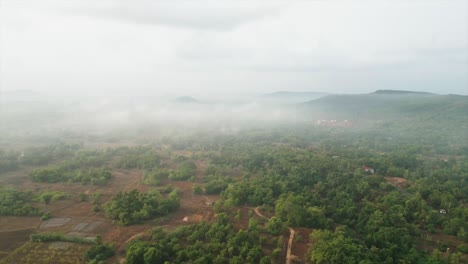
368	169
185	219
442	211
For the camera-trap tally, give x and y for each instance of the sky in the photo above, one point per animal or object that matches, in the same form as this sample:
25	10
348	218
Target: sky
216	48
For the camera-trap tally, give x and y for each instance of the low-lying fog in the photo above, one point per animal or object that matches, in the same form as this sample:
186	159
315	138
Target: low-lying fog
31	114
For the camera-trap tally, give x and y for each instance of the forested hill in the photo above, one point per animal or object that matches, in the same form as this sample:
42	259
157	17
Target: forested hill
384	104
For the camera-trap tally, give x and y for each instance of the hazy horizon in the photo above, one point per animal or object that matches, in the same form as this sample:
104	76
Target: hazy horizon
212	49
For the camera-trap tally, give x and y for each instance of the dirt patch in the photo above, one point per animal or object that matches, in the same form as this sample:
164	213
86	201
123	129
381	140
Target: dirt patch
397	181
201	169
432	241
120	234
60	245
91	227
15	222
87	227
10	240
55	222
79	227
302	243
124	180
76	209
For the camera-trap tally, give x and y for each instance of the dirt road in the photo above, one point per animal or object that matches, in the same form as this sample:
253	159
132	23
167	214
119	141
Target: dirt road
292	232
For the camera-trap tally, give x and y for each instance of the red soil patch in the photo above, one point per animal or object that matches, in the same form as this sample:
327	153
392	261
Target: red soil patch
243	221
15	222
10	240
121	234
124	180
397	181
194	207
302	243
439	237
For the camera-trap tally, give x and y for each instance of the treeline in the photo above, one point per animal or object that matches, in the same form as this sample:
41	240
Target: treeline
217	242
17	203
13	160
134	206
144	158
95	176
54	237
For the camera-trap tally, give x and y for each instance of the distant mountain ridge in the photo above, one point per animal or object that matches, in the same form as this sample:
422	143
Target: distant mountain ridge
290	93
400	92
391	104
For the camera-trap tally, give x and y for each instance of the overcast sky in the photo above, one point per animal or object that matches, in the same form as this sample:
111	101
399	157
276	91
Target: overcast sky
202	47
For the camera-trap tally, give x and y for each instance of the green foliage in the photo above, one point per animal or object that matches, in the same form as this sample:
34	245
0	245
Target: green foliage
197	189
218	242
139	157
51	196
253	192
296	211
99	252
275	226
216	186
133	207
17	203
185	171
97	196
336	248
53	237
81	168
13	160
84	197
155	176
95	176
463	248
45	155
45	216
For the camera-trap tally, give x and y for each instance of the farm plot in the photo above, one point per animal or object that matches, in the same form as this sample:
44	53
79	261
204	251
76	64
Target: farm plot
45	253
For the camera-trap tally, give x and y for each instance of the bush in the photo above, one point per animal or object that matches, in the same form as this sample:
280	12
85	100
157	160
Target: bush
50	196
84	197
94	176
134	206
463	248
215	186
53	237
275	226
13	202
100	252
46	216
185	171
197	190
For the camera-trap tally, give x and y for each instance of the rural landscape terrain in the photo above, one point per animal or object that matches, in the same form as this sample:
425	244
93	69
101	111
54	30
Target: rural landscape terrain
280	178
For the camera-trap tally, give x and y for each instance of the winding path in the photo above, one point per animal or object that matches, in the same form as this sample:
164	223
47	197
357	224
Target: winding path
291	239
292	232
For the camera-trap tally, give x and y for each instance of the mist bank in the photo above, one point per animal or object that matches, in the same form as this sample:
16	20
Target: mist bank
32	117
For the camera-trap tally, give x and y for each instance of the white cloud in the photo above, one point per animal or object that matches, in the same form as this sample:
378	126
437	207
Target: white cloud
207	46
